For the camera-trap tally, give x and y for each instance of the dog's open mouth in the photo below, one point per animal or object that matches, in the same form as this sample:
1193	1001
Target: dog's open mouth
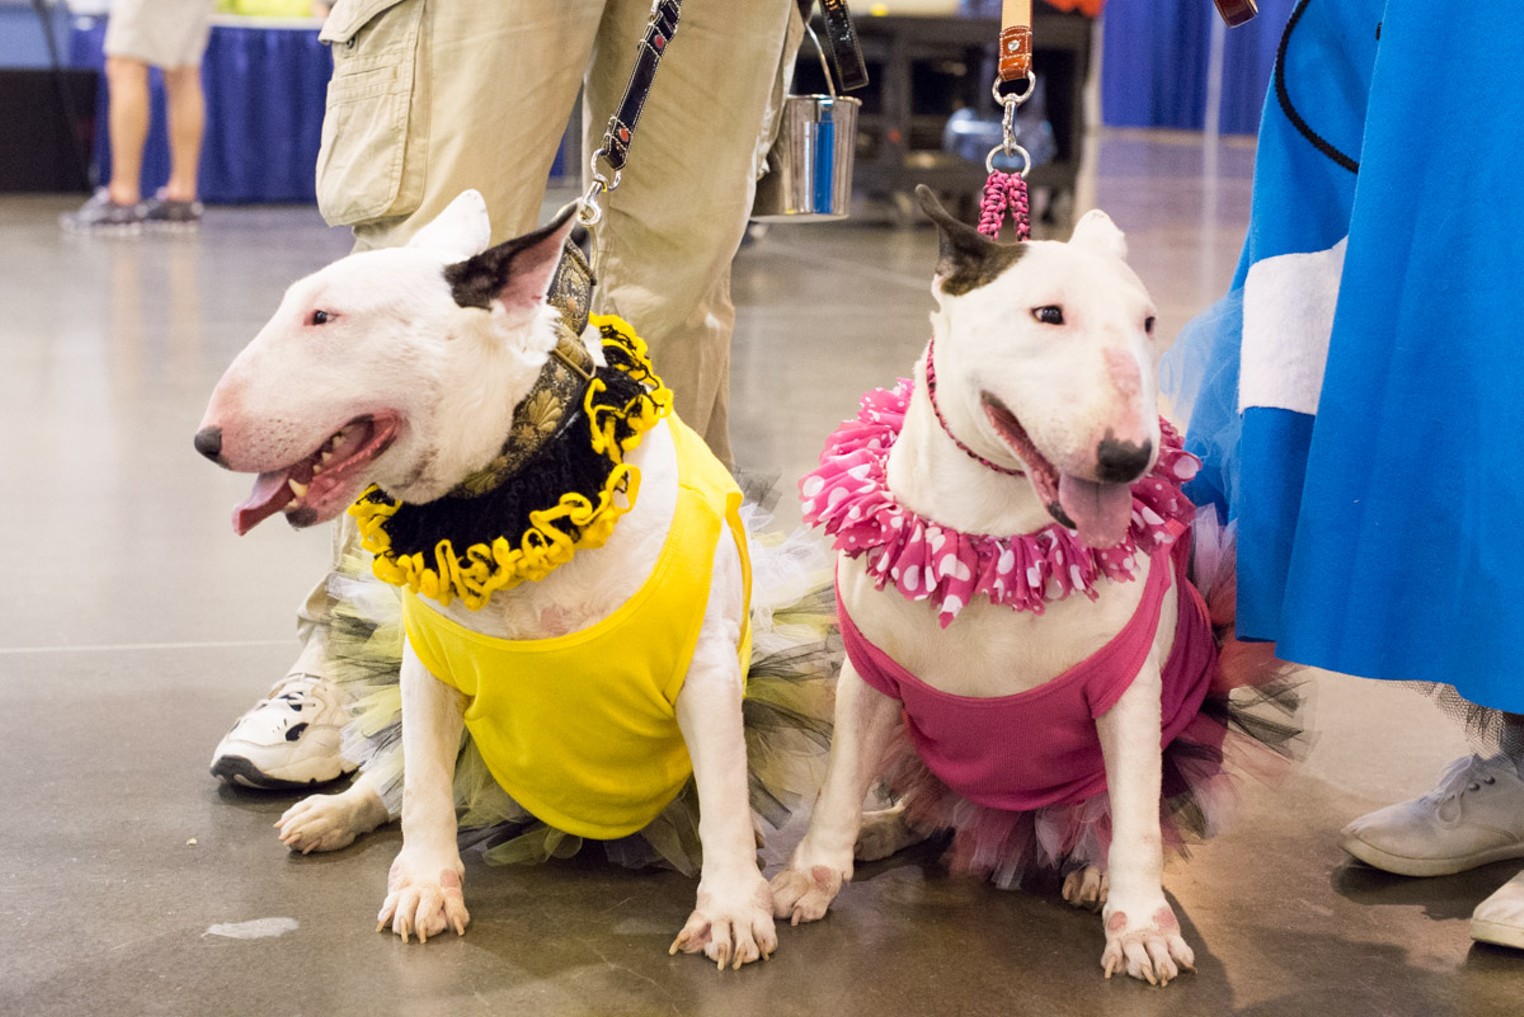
1101	513
320	486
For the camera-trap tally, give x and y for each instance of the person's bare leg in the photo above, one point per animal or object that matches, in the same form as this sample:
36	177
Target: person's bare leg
127	121
187	125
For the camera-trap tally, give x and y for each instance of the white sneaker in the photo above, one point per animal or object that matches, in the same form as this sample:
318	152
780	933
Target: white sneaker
289	740
1500	918
1475	815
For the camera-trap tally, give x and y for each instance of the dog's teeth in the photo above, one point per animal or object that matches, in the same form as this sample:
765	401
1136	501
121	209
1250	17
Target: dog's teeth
300	490
327	455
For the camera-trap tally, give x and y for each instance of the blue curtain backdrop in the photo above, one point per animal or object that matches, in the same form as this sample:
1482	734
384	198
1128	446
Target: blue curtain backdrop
1154	64
265	90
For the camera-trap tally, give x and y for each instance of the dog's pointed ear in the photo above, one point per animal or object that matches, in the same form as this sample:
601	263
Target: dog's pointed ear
461	230
516	273
1095	229
967	259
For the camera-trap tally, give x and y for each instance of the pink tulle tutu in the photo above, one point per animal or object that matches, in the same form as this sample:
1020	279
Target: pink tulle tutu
1256	736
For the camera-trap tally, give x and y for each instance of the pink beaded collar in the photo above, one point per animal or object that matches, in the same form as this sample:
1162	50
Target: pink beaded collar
931	395
849	497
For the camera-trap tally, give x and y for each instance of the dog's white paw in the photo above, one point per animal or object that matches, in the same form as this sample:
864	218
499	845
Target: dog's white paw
424	897
883	832
1086	888
804	891
732	922
1146	943
330	822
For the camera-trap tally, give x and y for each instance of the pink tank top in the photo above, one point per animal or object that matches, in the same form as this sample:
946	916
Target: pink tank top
1040	747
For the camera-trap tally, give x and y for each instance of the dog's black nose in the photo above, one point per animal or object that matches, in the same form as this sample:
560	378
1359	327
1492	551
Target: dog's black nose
1121	462
209	443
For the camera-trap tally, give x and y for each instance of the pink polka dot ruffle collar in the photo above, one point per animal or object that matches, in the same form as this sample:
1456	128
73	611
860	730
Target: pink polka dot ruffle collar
848	496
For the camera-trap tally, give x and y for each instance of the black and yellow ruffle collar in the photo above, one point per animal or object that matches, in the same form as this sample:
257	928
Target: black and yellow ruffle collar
560	484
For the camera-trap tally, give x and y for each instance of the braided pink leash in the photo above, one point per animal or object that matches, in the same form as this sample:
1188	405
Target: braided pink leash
1004	193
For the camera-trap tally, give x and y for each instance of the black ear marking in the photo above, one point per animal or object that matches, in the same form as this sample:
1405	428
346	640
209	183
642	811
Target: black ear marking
967	258
484	277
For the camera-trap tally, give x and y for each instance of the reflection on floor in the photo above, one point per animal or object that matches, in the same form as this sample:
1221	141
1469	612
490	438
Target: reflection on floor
136	627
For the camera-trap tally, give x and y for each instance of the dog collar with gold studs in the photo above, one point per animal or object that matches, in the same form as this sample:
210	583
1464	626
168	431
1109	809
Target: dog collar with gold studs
559	485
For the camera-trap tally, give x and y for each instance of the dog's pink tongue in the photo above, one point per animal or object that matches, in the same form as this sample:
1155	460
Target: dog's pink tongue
1101	512
270	495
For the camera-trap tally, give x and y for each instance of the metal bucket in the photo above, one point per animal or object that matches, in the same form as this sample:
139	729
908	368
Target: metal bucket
809	167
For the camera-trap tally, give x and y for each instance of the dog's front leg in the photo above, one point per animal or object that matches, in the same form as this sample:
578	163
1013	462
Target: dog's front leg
732	921
424	893
822	862
1142	935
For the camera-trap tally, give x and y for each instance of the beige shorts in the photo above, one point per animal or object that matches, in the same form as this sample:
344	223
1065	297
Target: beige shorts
163	33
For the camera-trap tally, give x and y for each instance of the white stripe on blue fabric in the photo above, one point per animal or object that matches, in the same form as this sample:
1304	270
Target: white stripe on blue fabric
1289	305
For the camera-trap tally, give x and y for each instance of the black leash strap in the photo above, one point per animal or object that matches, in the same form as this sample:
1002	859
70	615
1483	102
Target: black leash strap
846	54
621	130
660	29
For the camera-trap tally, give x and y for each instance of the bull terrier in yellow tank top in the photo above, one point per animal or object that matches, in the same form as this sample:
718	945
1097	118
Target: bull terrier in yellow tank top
574	570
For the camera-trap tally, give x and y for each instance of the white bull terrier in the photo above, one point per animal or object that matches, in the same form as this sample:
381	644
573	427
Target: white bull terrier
1032	441
404	369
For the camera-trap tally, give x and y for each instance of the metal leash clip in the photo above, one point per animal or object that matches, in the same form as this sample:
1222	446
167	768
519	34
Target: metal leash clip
589	212
1009	145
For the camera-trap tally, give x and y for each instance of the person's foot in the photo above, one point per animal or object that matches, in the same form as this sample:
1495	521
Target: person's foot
289	740
102	215
1500	918
164	213
1475	815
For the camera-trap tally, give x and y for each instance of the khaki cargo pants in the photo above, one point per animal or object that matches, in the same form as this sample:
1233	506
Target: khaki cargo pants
431	97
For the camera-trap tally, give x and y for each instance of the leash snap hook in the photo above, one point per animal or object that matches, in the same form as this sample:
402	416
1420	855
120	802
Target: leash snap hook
1009	146
591	213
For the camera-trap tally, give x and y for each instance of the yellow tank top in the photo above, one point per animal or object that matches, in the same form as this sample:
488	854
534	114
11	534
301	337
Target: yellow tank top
581	729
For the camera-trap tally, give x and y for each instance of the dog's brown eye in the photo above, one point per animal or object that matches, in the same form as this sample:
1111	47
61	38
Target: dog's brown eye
1148	325
1050	314
321	317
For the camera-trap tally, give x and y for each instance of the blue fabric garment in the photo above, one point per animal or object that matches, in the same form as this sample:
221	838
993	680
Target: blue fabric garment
1378	537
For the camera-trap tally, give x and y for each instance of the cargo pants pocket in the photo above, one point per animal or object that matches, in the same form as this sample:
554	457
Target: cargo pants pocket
364	169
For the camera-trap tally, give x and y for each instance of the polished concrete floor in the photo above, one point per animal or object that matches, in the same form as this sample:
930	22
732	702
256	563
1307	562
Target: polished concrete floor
136	626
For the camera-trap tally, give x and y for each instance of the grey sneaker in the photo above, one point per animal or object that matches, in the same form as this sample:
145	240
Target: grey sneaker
161	213
102	215
1474	816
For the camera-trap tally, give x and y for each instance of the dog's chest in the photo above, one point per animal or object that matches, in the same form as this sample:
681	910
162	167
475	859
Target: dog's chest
597	581
991	650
